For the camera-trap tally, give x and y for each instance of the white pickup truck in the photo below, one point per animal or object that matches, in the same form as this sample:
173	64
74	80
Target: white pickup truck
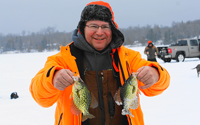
183	48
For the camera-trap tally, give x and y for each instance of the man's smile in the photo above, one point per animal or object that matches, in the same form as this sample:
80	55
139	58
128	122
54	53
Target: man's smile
99	38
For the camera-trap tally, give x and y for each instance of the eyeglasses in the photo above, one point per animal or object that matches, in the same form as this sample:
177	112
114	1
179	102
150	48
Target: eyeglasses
96	27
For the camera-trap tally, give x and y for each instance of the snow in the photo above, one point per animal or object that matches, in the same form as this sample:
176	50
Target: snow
178	105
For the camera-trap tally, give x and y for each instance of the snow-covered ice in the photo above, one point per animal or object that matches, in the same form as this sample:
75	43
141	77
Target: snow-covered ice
178	105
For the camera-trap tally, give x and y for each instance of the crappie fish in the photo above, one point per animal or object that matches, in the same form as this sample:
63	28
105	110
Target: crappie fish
82	99
127	95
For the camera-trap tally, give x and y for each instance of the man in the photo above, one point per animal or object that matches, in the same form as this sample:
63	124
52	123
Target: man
151	52
103	63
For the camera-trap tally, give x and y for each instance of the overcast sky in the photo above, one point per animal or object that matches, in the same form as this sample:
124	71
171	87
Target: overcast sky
33	15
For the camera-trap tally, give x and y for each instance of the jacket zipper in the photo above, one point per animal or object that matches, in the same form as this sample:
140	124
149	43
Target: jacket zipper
99	83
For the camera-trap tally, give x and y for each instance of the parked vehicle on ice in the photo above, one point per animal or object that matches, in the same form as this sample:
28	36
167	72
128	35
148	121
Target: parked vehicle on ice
183	48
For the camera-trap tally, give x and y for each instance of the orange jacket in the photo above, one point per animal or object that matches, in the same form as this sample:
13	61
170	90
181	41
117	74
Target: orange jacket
45	94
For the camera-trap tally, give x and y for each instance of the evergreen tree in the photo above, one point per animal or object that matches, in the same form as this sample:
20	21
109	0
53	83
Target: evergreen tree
143	41
151	35
40	48
167	37
44	42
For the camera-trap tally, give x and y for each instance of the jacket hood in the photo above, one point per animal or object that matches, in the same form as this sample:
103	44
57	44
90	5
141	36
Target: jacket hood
80	42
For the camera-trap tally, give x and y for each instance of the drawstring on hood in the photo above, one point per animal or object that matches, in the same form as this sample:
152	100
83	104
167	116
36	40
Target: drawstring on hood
113	63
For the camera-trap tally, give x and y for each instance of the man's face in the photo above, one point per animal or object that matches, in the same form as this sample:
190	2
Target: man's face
98	37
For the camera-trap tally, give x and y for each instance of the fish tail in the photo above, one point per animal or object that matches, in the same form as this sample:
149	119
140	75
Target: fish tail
130	113
85	117
126	112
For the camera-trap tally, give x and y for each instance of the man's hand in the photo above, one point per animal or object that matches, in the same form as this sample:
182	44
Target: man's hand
148	75
62	79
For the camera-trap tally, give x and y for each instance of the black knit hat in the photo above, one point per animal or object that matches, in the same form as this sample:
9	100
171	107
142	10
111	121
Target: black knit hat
102	13
94	12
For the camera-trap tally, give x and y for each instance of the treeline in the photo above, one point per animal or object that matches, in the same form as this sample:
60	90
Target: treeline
165	34
46	39
50	39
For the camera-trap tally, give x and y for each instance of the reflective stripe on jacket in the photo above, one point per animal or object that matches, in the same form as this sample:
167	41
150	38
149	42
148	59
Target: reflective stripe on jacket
45	94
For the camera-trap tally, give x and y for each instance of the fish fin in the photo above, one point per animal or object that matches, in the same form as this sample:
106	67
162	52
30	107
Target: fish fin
85	117
133	89
138	92
134	74
74	109
71	96
126	112
94	102
75	78
117	97
78	78
135	103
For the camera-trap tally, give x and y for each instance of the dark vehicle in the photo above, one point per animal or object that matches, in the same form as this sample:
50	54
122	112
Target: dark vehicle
163	53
